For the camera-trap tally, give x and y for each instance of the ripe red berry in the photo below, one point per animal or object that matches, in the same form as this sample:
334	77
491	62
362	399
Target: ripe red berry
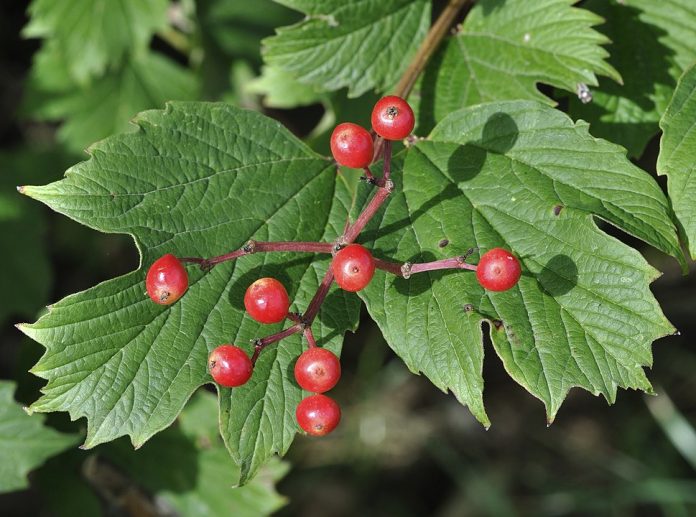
392	118
317	370
351	145
230	366
266	300
353	267
166	280
498	270
318	415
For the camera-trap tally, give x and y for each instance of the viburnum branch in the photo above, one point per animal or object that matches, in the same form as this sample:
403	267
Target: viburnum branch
302	323
386	186
318	299
432	40
261	343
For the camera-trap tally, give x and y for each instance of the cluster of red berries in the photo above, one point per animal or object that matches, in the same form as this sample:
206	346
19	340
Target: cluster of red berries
317	370
351	144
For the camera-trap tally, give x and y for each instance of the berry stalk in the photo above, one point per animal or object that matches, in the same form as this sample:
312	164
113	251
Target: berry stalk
406	269
252	247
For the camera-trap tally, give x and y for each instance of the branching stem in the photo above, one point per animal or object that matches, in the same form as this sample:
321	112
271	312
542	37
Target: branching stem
303	323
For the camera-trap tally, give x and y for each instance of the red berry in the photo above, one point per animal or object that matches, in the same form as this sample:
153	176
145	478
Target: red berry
266	300
166	280
318	415
317	370
498	270
353	267
230	366
392	118
351	145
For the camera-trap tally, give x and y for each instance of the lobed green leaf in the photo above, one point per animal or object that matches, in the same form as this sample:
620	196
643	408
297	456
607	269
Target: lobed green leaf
503	50
522	176
93	34
677	153
361	45
196	179
653	43
105	106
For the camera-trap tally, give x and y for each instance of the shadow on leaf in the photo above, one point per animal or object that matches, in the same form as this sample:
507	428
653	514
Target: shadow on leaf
559	276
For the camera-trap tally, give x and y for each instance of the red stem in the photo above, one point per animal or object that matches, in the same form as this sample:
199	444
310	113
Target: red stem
309	336
252	247
406	269
304	322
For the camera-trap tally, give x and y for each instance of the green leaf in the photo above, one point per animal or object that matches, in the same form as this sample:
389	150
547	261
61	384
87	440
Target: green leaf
237	28
677	153
105	106
281	90
197	179
504	49
628	114
93	34
522	176
198	479
361	45
24	442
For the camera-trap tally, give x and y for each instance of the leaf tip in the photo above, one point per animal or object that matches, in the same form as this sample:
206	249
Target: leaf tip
27	190
24	328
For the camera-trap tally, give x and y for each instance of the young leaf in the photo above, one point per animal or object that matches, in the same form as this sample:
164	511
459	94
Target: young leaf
24	442
361	45
196	179
281	90
504	49
651	64
93	34
678	153
106	105
522	176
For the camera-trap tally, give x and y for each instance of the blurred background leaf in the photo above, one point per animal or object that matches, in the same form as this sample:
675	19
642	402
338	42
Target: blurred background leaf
24	442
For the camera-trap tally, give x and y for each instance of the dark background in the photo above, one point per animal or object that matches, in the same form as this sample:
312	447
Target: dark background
404	448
